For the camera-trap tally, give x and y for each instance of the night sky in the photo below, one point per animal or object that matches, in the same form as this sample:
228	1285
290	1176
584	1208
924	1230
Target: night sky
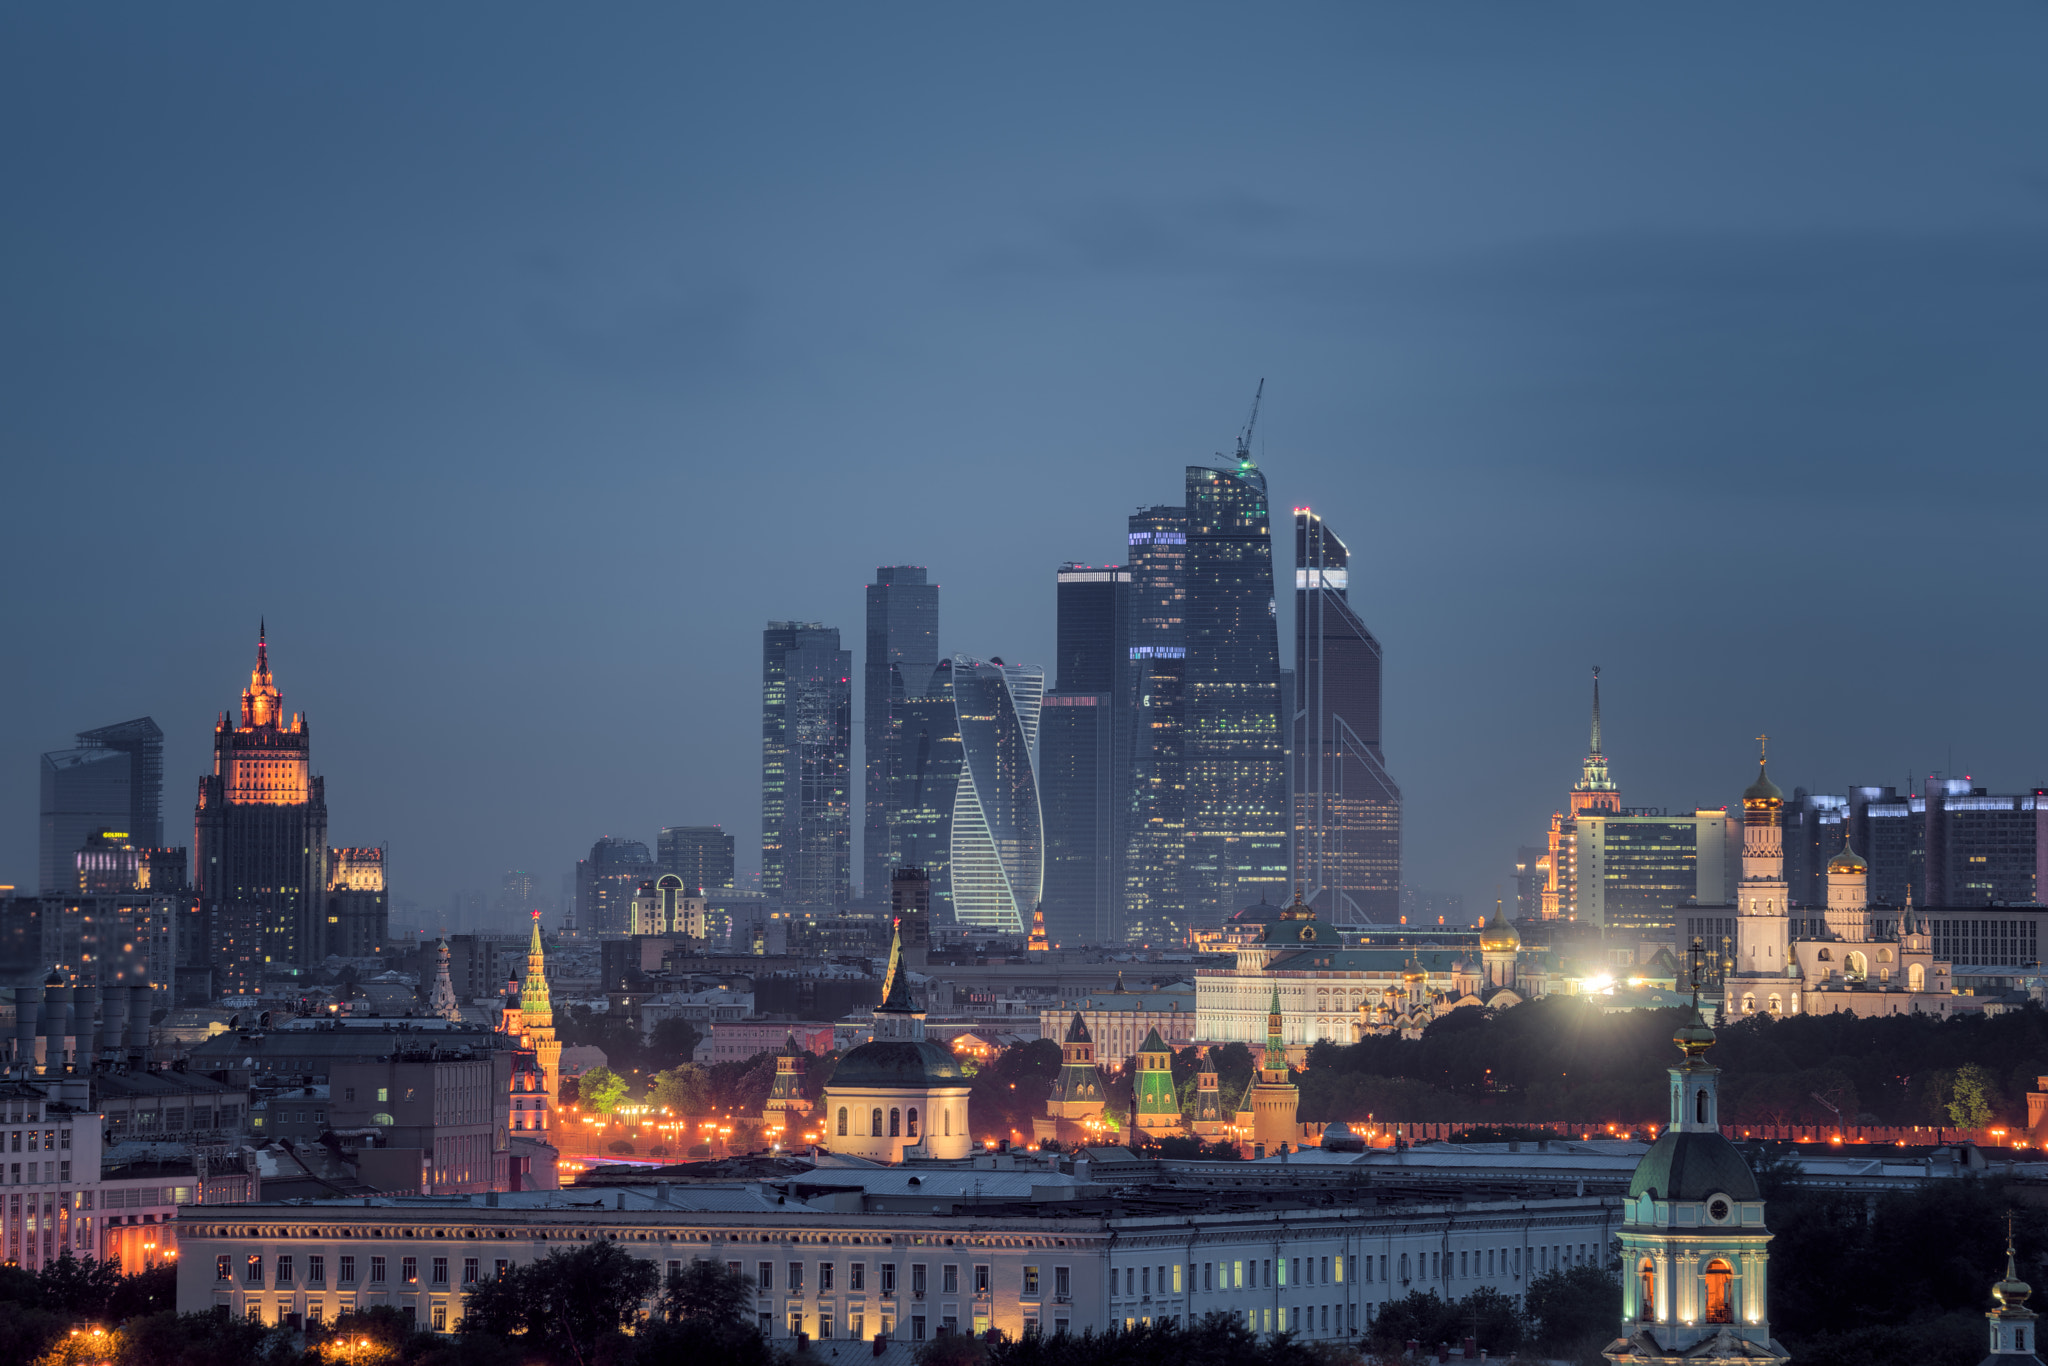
518	362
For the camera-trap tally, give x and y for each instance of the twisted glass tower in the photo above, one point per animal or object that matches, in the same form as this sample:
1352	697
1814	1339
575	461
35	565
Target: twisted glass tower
998	844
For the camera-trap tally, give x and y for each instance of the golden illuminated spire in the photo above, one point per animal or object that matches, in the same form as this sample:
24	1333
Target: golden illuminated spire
262	704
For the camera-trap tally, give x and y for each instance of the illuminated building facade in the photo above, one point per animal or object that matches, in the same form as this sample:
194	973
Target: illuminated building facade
902	650
998	854
1155	864
701	855
806	767
112	780
1347	810
1234	747
260	838
1085	756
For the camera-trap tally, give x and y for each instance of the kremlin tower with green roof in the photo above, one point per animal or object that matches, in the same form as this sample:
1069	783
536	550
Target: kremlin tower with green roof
1155	1109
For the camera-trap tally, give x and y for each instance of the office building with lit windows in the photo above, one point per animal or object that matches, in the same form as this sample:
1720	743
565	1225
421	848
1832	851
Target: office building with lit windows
1234	744
806	767
902	650
701	855
1155	839
1347	810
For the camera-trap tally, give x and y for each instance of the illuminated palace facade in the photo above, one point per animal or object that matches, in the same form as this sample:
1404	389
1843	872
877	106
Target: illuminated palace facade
260	838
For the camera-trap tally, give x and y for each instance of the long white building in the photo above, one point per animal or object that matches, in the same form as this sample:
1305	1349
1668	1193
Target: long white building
908	1252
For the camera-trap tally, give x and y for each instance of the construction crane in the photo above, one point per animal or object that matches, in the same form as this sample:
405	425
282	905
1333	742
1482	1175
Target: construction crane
1244	438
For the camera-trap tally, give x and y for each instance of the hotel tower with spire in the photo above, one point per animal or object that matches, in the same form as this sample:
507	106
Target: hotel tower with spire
1629	869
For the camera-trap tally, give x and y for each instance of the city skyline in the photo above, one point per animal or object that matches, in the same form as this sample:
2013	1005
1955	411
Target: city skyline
1677	333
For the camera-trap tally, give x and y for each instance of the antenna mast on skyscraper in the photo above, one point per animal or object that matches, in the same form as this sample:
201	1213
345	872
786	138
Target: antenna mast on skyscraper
1244	439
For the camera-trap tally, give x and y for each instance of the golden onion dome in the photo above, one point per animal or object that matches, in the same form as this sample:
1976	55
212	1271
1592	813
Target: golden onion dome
1763	789
1848	861
1694	1037
1499	936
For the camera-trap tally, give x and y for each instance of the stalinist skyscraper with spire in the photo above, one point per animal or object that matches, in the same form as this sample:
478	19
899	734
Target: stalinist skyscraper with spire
1627	869
1594	792
259	839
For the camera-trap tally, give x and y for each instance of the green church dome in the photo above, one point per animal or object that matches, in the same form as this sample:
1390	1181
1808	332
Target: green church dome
906	1064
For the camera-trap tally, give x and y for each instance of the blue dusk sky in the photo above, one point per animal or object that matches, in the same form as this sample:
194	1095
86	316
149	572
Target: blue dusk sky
518	362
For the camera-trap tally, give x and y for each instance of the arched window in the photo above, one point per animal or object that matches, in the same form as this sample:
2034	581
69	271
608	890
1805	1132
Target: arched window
1916	977
1646	1280
946	1116
1856	966
1777	1003
875	1122
910	1125
895	1122
842	1121
1826	957
1699	1105
1749	1003
1720	1292
1884	955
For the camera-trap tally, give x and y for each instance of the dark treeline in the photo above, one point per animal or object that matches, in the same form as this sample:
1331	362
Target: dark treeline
1561	1058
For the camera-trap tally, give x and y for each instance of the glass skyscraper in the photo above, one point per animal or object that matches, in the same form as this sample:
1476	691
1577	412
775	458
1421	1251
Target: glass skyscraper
701	855
113	780
1347	811
806	762
902	650
1155	862
1235	747
927	736
1084	753
998	845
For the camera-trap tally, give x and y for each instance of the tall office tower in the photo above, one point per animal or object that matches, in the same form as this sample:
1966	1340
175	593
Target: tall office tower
1155	813
903	646
998	863
605	883
1084	753
260	833
806	759
1235	750
928	780
701	855
1347	811
113	780
358	920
